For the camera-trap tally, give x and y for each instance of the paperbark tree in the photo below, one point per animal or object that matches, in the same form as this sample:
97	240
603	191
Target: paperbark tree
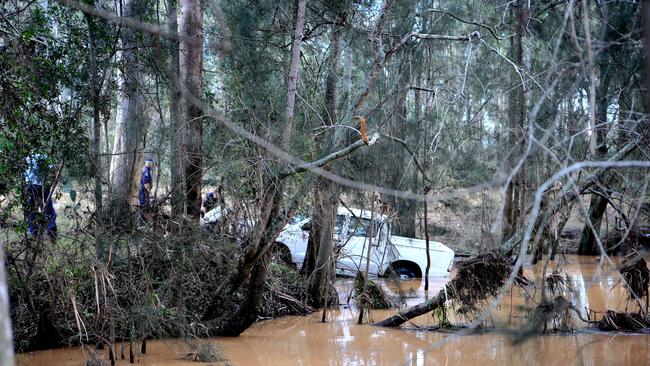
131	122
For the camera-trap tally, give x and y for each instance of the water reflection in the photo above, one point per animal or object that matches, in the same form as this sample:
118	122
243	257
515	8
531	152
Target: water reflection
297	340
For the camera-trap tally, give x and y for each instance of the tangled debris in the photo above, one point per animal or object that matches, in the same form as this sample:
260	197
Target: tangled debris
636	274
624	322
478	279
206	352
284	292
374	296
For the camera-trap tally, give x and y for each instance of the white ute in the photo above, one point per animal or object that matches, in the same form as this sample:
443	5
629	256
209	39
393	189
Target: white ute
403	256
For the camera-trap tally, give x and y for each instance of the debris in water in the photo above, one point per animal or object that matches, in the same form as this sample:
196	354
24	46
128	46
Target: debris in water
624	322
206	352
636	274
375	295
480	278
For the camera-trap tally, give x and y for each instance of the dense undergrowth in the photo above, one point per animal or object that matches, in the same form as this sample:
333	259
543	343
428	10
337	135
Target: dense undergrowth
149	285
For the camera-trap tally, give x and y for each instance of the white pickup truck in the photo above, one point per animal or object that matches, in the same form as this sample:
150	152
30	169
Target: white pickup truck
405	257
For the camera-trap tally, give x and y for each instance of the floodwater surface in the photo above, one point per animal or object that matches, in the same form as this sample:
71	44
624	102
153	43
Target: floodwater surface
298	340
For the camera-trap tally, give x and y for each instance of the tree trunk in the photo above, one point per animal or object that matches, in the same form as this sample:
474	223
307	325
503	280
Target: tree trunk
96	134
176	165
328	201
326	193
131	123
191	65
645	16
6	341
598	204
253	260
515	192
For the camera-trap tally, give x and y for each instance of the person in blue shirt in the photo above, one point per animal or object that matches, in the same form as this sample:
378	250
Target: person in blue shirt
144	191
39	208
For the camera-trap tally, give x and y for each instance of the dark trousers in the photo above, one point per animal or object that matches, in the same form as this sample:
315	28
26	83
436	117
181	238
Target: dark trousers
40	211
144	207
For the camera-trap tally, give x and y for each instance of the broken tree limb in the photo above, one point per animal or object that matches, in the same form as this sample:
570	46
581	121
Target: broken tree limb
414	311
328	158
437	37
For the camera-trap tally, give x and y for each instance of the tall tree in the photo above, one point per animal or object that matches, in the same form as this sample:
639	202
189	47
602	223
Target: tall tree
176	169
326	193
615	24
191	128
515	192
131	121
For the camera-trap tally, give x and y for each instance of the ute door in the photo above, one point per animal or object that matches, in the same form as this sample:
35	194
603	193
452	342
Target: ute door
383	252
295	237
354	255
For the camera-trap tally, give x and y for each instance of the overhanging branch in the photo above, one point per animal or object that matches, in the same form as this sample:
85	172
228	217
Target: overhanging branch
438	37
328	158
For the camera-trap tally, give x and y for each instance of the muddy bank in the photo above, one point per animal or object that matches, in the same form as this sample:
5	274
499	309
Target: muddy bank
295	340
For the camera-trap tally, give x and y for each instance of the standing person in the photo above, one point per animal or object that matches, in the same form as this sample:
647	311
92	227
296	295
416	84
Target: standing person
144	191
39	199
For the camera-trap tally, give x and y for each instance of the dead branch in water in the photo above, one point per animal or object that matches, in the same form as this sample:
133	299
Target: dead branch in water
477	280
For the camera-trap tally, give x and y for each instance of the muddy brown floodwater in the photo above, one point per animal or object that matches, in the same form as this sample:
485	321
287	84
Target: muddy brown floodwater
297	340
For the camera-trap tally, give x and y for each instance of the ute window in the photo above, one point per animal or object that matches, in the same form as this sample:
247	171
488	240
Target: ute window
306	226
360	227
338	228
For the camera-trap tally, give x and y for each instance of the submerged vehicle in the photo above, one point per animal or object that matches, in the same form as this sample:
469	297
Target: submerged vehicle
389	254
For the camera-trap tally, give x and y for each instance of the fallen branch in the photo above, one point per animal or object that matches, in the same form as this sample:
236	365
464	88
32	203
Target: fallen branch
476	280
329	158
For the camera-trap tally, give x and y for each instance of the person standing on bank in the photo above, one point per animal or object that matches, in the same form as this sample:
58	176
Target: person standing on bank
39	208
144	191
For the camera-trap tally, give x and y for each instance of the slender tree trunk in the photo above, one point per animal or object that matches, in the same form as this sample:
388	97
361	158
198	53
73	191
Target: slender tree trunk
402	178
96	135
131	123
191	65
326	193
177	187
616	24
515	192
6	335
598	204
253	261
646	42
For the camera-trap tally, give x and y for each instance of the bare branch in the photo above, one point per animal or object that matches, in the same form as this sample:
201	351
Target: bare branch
331	157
